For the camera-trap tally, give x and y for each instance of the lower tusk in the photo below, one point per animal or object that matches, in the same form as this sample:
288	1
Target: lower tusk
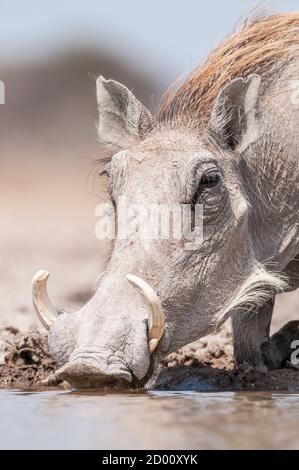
46	312
156	323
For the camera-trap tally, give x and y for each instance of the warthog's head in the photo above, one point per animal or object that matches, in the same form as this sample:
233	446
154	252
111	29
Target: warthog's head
160	293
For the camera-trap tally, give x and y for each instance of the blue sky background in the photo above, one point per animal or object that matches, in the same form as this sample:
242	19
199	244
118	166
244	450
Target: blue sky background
164	37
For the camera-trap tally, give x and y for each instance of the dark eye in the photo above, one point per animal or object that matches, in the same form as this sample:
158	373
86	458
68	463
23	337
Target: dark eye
210	179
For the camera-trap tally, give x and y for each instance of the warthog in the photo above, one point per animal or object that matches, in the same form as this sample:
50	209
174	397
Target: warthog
226	138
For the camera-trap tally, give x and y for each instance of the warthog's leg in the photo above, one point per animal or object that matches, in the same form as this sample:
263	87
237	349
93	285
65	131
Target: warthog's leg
281	345
252	344
250	330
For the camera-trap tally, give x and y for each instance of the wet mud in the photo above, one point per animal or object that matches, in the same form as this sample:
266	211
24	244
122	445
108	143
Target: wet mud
206	365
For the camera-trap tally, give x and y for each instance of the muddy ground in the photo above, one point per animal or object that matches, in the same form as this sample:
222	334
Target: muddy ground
48	222
206	365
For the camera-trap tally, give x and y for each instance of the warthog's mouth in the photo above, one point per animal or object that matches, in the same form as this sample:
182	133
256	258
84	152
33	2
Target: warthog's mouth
82	374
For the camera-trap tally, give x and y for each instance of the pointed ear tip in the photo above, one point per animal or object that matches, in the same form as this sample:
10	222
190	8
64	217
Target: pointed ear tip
102	81
102	87
254	78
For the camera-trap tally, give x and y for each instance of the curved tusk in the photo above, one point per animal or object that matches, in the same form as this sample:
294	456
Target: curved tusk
156	323
46	312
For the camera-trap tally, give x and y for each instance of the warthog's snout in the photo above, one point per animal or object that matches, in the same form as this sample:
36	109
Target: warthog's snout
110	340
81	374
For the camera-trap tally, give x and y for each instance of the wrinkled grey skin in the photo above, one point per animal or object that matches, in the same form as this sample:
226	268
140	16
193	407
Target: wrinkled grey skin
250	223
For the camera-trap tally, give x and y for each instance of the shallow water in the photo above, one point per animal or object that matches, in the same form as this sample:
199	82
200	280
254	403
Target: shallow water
155	420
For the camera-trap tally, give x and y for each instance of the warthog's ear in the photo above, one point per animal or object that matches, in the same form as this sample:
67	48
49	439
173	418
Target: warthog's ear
123	120
234	117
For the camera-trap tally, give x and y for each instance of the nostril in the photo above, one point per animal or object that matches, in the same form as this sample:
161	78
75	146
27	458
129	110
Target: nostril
84	375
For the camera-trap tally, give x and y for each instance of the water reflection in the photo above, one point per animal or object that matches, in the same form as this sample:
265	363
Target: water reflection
92	420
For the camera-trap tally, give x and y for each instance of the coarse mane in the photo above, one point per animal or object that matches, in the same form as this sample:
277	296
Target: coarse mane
260	45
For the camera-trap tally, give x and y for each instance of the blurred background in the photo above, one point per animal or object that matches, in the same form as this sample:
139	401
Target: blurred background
50	55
